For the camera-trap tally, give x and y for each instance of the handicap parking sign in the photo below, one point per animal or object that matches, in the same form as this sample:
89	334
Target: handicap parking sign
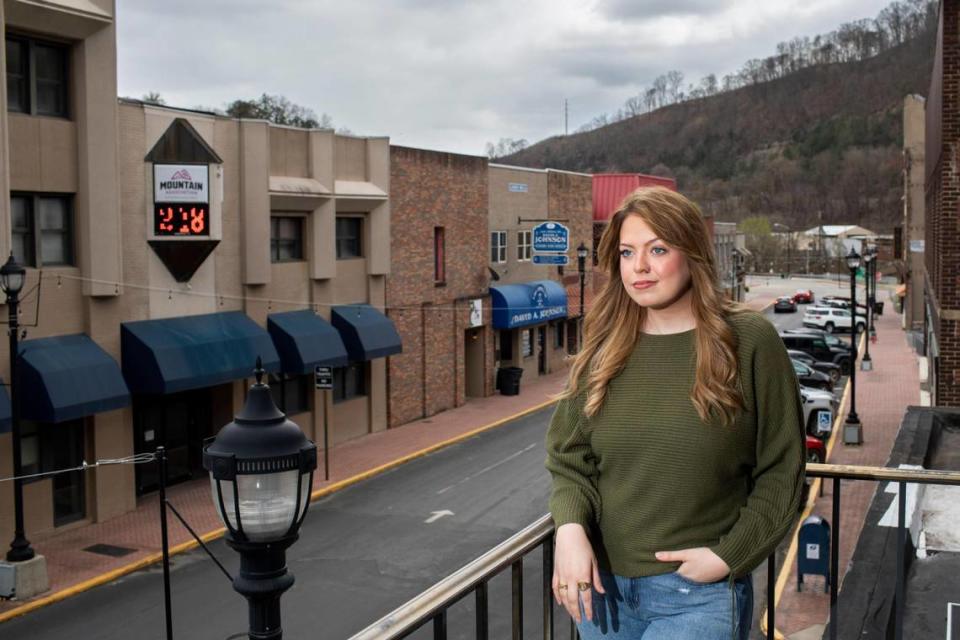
825	421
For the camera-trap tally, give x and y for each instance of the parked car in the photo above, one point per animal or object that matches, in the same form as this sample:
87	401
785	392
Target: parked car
785	304
816	450
810	378
819	409
841	302
803	296
829	368
830	319
815	343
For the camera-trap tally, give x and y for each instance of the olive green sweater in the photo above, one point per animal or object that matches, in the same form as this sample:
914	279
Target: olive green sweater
646	474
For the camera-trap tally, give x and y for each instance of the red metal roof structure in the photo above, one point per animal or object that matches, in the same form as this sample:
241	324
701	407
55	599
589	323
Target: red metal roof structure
609	190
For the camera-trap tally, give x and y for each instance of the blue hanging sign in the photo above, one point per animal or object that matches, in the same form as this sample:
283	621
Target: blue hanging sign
551	236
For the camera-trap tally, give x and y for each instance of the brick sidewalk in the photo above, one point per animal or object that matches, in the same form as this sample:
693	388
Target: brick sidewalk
71	569
883	396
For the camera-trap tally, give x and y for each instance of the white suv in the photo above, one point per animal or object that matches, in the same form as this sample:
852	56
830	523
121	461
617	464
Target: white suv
830	319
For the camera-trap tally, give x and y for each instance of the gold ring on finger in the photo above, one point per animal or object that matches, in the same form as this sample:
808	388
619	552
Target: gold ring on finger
583	586
561	587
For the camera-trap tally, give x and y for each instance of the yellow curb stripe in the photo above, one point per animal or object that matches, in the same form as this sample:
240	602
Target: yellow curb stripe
784	573
153	558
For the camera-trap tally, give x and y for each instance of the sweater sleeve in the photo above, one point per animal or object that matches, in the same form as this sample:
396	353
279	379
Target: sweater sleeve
571	463
778	476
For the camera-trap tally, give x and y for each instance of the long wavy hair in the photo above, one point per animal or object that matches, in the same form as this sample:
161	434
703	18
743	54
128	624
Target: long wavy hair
613	325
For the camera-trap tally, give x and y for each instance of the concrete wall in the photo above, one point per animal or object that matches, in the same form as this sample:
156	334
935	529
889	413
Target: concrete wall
913	209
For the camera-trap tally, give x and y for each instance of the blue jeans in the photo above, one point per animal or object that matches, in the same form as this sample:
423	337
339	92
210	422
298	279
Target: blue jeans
669	607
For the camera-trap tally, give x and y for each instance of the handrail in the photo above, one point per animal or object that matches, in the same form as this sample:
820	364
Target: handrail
407	617
858	472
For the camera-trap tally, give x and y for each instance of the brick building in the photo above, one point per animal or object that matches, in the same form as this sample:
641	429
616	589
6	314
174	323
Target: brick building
942	242
439	275
911	249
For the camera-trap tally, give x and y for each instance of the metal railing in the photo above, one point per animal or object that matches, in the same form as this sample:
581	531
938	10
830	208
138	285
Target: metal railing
431	606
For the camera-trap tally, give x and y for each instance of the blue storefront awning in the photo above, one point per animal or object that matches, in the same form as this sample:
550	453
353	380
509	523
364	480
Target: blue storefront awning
67	377
191	352
366	332
4	408
304	340
527	303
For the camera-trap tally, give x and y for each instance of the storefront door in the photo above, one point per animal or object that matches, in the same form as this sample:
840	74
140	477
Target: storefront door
542	349
178	422
69	490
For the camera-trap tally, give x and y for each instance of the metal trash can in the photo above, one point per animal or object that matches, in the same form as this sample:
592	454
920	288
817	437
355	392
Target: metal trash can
878	307
508	380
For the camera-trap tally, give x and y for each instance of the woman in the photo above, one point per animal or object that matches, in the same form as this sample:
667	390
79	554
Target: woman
676	450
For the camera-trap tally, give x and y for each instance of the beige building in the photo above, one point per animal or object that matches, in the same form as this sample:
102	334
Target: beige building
914	115
166	250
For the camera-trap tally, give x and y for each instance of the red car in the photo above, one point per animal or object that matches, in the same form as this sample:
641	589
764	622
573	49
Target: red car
816	452
803	296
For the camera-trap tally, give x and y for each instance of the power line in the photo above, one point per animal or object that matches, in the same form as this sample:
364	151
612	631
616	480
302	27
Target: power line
139	458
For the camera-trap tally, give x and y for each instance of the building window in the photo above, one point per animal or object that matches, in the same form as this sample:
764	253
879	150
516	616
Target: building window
349	382
506	345
41	230
439	256
523	246
348	237
46	448
572	330
286	238
558	335
291	392
526	342
36	77
498	247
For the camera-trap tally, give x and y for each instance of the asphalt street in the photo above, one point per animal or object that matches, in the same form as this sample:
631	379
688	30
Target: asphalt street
362	551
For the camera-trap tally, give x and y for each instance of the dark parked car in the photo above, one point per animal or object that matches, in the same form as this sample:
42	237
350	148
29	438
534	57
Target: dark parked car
816	451
832	370
810	378
785	304
816	345
832	340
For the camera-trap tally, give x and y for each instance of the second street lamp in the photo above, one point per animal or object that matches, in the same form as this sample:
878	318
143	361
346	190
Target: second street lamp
852	429
582	253
261	474
869	260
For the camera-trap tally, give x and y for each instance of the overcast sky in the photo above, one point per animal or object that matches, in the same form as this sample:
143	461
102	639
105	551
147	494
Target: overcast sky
449	74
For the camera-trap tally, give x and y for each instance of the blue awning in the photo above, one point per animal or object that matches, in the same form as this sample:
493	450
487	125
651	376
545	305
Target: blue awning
190	352
67	377
519	305
366	332
304	340
4	408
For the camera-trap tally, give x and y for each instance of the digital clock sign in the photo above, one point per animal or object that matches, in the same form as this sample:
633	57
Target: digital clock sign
181	219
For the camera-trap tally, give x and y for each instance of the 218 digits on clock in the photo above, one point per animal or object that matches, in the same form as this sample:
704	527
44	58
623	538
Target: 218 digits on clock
181	219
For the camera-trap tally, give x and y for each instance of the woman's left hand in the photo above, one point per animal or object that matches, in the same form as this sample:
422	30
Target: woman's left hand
699	564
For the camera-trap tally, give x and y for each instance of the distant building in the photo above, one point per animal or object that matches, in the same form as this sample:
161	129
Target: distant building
834	240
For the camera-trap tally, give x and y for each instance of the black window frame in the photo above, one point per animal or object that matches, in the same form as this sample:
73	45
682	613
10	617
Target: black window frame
291	392
34	232
30	83
349	382
277	242
498	250
558	334
349	246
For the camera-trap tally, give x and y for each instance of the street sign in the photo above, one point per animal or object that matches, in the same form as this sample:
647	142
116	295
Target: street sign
825	421
539	258
323	377
551	236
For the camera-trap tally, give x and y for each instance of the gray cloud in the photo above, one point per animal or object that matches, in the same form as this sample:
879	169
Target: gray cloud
646	9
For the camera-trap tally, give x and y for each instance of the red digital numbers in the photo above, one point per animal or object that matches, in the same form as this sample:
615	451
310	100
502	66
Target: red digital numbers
181	220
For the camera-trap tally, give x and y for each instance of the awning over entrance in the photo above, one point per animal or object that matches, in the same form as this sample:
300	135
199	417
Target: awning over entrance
190	352
367	333
305	340
4	409
67	377
528	303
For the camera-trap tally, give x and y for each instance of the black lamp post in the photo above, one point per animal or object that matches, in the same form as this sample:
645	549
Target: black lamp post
12	275
261	473
869	260
582	253
852	429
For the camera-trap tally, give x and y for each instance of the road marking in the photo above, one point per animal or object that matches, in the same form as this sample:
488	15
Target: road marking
950	606
490	468
890	517
437	515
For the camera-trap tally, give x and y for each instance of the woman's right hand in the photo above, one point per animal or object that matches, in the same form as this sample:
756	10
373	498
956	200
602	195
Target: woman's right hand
574	563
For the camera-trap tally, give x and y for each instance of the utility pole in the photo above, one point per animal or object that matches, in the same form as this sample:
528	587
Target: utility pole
566	117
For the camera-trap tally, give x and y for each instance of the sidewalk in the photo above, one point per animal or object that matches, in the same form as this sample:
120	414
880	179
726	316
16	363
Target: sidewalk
882	399
72	570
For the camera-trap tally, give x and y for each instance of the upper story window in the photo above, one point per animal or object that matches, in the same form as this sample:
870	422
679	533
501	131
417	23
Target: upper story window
286	238
36	76
498	247
349	243
523	246
439	256
41	230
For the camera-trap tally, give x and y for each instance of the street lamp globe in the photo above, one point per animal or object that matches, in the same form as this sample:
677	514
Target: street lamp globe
261	470
12	275
853	260
582	251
